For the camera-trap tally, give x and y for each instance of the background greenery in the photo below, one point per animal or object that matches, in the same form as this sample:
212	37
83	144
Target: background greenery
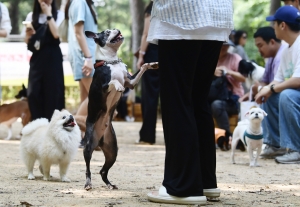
249	15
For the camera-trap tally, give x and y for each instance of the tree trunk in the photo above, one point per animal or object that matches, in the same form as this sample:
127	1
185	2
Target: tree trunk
137	15
14	16
275	4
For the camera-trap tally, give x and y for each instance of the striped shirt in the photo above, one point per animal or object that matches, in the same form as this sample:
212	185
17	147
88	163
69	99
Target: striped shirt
190	20
194	14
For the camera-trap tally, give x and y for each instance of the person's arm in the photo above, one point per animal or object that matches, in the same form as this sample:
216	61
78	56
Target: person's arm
5	22
236	75
80	36
47	9
144	43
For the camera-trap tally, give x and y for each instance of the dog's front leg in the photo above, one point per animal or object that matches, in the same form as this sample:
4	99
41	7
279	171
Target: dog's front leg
131	81
256	157
63	167
250	153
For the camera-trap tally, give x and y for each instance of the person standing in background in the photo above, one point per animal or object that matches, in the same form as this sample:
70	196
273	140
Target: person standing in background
150	84
189	35
5	25
46	90
240	39
294	3
82	17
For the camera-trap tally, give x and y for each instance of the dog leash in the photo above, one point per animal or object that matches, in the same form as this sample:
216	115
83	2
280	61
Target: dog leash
251	136
100	63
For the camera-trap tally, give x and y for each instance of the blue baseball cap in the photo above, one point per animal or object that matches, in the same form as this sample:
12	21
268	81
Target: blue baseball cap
287	14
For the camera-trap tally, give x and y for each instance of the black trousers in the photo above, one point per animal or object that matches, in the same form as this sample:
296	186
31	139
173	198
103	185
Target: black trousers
46	90
150	95
186	71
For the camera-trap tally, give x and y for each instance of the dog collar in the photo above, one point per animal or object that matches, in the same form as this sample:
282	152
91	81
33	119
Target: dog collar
100	63
251	136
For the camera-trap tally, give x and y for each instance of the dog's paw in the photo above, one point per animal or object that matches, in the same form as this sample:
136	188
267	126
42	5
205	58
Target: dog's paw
112	187
88	184
119	87
65	179
257	165
46	178
31	177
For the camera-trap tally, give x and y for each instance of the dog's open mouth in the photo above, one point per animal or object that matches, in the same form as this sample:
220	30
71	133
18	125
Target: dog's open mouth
69	123
117	38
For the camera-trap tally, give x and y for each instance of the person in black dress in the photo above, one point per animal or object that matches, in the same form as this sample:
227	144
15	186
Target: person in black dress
46	78
150	84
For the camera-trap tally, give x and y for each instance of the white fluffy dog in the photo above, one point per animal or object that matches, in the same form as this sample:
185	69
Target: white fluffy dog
51	143
250	132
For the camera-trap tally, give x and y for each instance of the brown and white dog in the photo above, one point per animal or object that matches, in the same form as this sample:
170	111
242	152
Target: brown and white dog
109	81
9	113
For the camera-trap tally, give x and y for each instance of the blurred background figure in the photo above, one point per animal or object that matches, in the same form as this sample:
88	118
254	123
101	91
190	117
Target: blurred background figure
46	90
82	17
295	3
240	39
5	26
150	84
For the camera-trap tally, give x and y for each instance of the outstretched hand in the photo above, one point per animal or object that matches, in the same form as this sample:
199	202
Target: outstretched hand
263	95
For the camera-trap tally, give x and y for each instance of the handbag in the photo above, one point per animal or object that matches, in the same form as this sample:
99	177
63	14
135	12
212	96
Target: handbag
63	30
37	40
246	105
218	89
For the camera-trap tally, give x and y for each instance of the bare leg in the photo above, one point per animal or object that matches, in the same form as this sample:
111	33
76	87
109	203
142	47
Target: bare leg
84	85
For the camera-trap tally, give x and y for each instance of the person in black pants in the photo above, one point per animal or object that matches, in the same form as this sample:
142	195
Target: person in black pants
150	85
46	78
190	145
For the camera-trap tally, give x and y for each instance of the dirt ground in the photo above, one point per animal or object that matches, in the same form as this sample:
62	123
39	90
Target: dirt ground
138	170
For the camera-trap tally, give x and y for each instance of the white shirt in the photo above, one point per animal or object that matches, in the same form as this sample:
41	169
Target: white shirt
5	21
186	19
289	62
43	19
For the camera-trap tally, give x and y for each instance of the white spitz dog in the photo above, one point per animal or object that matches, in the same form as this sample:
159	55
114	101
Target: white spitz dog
51	143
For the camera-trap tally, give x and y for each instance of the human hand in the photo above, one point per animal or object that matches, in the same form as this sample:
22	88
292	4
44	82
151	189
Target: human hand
220	71
87	67
140	62
263	95
255	88
46	8
244	98
29	31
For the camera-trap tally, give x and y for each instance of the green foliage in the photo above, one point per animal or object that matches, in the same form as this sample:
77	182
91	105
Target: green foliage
249	16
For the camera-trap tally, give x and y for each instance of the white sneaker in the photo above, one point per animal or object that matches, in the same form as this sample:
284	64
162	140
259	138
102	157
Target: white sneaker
271	152
212	192
291	157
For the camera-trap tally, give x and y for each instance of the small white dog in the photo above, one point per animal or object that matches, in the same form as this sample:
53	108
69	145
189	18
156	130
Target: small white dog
250	132
51	143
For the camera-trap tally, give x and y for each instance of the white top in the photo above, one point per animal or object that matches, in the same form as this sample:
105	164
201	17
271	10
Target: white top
194	14
289	63
165	31
5	21
43	18
200	20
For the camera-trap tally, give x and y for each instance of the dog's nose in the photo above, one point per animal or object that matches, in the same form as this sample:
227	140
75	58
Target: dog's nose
71	117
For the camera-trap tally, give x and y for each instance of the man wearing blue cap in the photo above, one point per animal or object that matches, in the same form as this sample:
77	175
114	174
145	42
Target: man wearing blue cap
281	98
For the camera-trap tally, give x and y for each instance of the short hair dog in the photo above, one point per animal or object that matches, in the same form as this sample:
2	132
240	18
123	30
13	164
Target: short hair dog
249	131
109	81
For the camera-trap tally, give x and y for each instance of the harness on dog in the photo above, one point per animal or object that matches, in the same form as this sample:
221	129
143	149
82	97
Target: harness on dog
251	136
100	63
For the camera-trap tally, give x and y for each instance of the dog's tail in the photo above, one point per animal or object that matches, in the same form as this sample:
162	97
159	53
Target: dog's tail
32	126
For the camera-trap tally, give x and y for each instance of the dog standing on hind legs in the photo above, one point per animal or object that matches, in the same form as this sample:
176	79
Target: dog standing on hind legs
109	81
250	132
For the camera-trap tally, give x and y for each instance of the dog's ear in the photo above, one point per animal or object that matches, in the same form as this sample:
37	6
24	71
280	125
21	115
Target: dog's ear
264	113
89	34
24	88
